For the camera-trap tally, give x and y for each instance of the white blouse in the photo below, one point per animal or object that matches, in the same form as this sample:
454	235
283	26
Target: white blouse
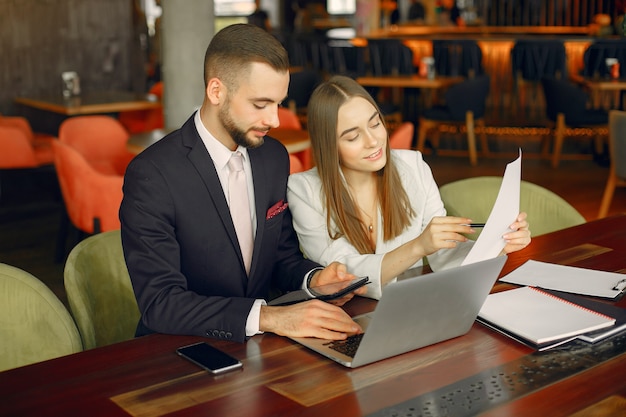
304	194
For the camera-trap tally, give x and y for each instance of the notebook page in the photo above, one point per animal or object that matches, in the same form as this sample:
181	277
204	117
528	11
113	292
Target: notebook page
565	278
539	317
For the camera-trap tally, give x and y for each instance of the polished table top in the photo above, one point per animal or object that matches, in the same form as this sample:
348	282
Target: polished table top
408	81
92	103
295	140
144	376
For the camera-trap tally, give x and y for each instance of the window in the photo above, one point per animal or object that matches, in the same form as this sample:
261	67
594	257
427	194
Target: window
341	7
234	7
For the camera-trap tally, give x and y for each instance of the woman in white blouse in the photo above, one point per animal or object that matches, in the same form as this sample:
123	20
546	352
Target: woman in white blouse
376	210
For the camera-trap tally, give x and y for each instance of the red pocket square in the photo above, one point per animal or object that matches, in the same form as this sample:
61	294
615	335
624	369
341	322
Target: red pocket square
276	209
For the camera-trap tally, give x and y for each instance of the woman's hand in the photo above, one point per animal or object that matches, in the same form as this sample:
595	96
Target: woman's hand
443	232
519	238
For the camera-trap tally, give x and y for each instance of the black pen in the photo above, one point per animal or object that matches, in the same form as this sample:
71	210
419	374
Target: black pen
475	225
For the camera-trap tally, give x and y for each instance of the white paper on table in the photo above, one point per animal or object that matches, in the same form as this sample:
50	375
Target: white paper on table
504	212
566	278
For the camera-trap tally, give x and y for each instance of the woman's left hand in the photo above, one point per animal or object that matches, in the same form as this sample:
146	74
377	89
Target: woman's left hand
519	238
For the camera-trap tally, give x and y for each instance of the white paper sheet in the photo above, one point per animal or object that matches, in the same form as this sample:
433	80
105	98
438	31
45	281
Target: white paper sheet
504	212
566	278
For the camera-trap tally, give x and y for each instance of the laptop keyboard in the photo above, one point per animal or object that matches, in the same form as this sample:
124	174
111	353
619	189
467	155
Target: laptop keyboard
348	347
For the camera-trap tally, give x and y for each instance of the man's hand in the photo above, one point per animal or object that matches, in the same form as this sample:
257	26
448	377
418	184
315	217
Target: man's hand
312	318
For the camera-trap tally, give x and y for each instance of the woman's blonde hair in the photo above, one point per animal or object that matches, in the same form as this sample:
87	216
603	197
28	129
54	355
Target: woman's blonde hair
341	209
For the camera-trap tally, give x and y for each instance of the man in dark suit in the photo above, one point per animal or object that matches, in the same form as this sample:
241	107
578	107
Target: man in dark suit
181	247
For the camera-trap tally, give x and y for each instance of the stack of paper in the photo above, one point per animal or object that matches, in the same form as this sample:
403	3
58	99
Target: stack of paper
566	278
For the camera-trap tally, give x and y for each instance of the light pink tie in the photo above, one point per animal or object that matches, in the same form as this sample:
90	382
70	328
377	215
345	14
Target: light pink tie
240	207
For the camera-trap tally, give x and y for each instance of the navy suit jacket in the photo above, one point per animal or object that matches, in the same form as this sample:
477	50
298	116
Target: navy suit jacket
180	244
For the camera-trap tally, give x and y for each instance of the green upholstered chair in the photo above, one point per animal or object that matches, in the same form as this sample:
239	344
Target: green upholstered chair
34	325
99	290
474	198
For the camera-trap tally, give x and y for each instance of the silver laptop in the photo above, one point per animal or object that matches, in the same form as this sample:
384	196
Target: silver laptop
415	312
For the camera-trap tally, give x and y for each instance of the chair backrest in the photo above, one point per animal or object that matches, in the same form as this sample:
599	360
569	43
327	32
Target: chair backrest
36	326
100	292
157	89
454	57
563	97
594	64
474	198
288	119
301	86
468	95
617	142
87	193
16	150
538	58
100	139
295	164
20	123
402	137
40	143
390	57
341	57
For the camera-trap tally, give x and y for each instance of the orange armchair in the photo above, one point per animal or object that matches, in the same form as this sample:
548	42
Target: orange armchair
137	121
20	147
101	140
92	199
402	137
288	119
295	164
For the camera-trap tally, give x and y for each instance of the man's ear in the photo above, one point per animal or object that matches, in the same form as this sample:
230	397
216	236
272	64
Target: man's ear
215	91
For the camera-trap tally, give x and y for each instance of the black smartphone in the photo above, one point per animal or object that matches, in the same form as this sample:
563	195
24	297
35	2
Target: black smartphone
338	289
324	292
210	358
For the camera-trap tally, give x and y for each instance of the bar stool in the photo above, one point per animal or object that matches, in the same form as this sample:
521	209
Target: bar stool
566	106
464	105
391	57
532	60
594	58
454	57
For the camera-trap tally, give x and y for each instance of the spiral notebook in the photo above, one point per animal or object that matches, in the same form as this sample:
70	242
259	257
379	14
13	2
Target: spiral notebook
539	319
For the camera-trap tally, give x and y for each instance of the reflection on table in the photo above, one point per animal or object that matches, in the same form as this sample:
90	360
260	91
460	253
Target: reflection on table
92	103
295	140
482	372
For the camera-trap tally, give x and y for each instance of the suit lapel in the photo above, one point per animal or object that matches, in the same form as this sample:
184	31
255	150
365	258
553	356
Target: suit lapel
260	200
200	158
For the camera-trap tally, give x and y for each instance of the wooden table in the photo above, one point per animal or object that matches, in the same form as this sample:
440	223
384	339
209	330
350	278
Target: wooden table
408	81
91	103
409	101
605	92
295	140
145	377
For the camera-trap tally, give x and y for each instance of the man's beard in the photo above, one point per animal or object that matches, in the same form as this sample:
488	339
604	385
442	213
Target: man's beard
239	136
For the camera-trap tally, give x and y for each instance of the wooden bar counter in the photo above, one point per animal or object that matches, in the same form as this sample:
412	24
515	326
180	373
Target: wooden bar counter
495	43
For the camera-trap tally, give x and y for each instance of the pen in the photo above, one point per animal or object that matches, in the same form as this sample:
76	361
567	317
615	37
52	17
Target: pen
475	225
620	286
